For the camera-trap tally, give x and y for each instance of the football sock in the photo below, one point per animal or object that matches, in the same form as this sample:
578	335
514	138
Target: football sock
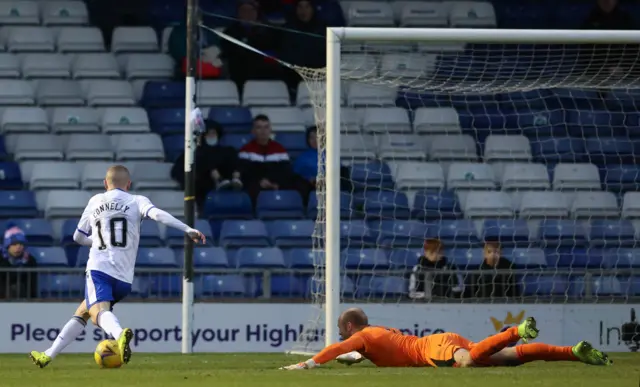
483	350
546	352
109	323
71	330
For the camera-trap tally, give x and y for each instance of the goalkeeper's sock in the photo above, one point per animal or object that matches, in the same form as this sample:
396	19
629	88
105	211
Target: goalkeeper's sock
493	344
71	330
545	352
109	323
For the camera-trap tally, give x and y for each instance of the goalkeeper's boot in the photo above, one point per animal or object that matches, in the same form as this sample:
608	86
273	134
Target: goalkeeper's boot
40	358
123	345
527	329
585	352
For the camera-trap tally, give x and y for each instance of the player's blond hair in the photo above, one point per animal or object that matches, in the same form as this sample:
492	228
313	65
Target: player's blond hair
117	176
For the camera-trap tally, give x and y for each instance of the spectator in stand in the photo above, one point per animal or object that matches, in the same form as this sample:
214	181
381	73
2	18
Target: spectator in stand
264	162
425	282
245	64
306	165
15	255
303	42
491	283
216	165
607	15
209	65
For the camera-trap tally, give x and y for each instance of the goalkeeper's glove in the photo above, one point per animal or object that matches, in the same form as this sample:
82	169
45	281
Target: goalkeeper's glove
300	366
350	358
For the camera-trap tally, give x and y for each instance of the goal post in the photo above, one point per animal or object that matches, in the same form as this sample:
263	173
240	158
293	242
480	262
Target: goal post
327	95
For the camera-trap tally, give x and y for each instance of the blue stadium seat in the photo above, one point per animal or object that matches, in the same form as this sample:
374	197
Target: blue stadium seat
631	285
18	204
401	233
294	143
38	231
576	99
509	232
163	94
526	258
317	286
49	256
150	234
206	257
461	233
621	178
165	285
623	258
544	285
284	285
228	205
436	205
232	119
562	232
236	140
68	228
538	123
3	150
404	258
353	258
528	99
346	201
623	100
243	233
612	233
466	258
61	285
617	150
596	123
175	237
299	258
10	176
82	256
354	233
217	285
372	175
156	257
600	286
553	150
379	286
173	147
574	258
291	233
140	287
386	204
279	204
260	257
167	122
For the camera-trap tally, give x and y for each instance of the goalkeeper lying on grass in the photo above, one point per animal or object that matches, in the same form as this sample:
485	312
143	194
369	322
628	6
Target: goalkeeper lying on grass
388	347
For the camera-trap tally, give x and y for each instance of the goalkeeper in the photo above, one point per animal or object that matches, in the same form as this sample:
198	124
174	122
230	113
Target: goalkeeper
388	347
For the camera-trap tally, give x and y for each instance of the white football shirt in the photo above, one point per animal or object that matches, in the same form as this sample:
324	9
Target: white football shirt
113	220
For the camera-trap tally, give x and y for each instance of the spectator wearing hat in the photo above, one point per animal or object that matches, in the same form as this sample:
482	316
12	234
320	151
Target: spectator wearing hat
216	165
434	275
15	255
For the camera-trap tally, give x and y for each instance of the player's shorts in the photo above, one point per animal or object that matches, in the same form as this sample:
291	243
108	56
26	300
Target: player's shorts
101	287
442	346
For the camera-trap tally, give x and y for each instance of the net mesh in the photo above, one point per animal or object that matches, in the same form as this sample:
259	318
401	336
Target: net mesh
532	146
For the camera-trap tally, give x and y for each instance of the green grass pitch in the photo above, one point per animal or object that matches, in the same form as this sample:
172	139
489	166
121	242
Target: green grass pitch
261	370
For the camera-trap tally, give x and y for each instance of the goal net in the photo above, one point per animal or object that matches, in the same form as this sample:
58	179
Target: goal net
526	144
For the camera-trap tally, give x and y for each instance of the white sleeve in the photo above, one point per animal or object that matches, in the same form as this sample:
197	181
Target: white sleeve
144	205
167	219
83	230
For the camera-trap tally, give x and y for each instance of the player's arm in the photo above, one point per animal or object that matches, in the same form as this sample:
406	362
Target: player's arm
353	344
82	235
150	211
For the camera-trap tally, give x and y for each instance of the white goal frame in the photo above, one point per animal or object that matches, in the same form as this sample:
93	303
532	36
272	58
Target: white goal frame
334	40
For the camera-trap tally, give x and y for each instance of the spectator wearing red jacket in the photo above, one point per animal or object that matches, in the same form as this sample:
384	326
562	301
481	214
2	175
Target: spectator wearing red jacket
264	163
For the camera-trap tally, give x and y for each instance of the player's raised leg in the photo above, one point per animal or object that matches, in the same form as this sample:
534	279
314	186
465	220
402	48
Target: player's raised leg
71	330
481	352
583	352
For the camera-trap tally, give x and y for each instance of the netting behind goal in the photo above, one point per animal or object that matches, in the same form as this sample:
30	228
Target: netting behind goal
532	146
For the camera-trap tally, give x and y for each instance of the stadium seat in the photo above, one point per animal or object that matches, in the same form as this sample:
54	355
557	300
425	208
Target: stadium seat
10	176
18	204
454	233
68	228
509	232
403	258
38	147
562	233
49	256
621	178
156	257
291	233
38	231
233	119
434	121
217	93
59	92
540	285
260	257
83	256
631	205
54	175
600	286
95	147
150	234
435	204
401	234
594	122
369	14
527	258
170	201
288	285
408	67
300	258
317	286
94	66
207	257
622	258
465	258
553	150
294	143
173	147
279	204
9	65
541	204
611	233
500	148
149	66
588	205
372	174
65	120
479	204
265	93
30	39
576	177
228	205
175	237
304	97
125	120
80	39
240	233
19	13
617	150
367	95
365	259
24	120
469	176
427	14
401	147
381	286
357	147
61	286
418	175
525	177
16	92
162	94
283	119
104	92
65	203
60	13
221	285
167	121
354	234
346	210
472	14
140	146
134	39
452	148
46	66
386	120
386	205
152	175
